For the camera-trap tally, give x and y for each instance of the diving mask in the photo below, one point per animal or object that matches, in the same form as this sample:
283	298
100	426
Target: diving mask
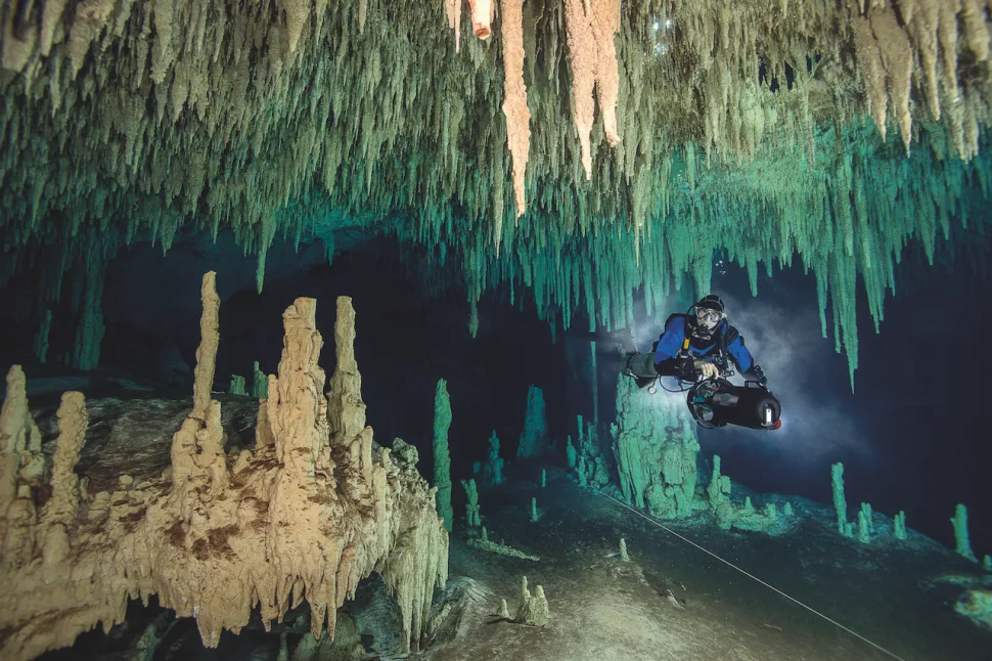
708	316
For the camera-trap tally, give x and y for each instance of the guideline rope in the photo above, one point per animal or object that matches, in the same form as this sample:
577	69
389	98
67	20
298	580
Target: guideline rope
749	575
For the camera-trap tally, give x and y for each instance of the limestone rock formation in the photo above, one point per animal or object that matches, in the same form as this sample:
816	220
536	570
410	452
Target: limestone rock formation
656	450
590	26
534	436
357	109
515	101
20	448
533	607
442	459
306	514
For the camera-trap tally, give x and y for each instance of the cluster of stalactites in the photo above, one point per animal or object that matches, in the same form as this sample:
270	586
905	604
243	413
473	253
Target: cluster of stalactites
849	217
395	129
257	110
928	36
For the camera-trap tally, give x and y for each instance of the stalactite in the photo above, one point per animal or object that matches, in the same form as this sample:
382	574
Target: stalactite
453	10
515	102
330	120
897	57
592	58
482	17
870	60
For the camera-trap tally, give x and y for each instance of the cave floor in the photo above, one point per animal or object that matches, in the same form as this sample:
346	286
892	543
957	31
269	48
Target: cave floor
673	601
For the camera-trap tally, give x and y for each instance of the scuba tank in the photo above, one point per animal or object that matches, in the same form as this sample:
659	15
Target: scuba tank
717	403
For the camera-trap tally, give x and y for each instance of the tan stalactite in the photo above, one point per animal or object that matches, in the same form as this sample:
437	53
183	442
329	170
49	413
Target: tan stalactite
976	28
605	25
897	57
285	530
453	11
16	52
515	102
162	51
482	17
297	15
922	24
51	16
593	62
91	17
870	60
947	32
582	61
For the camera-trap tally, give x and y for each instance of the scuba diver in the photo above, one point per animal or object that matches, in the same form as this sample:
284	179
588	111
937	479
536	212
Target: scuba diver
696	348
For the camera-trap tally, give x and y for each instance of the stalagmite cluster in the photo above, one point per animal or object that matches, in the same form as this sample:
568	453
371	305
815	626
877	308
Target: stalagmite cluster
743	129
656	448
307	513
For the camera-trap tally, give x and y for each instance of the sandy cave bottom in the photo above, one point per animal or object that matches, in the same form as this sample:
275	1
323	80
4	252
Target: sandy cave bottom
671	601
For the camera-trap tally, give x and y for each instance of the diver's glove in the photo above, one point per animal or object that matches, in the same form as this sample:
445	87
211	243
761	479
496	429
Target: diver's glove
760	374
707	369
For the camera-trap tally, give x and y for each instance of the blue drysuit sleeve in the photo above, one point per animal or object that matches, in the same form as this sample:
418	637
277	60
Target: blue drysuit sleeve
741	354
670	341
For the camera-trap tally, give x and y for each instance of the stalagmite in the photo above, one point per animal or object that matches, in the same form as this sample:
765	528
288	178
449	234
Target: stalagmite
345	408
20	463
206	353
442	459
59	513
284	530
198	447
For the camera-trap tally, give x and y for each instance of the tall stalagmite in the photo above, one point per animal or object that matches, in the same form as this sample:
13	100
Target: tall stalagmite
306	514
442	458
656	452
21	469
